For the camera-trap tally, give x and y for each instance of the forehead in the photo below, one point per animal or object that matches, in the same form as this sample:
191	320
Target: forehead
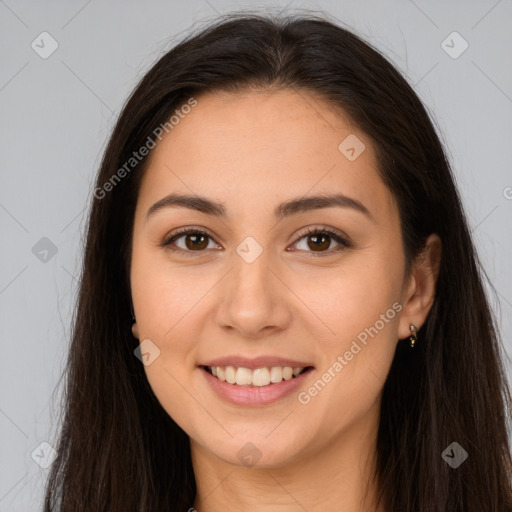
254	148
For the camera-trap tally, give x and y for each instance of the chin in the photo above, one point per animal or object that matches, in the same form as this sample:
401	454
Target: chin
257	449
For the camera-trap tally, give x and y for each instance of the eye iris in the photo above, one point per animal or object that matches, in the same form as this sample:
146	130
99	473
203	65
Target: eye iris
318	241
195	238
317	238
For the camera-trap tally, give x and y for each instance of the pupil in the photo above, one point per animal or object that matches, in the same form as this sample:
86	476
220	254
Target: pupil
197	240
317	238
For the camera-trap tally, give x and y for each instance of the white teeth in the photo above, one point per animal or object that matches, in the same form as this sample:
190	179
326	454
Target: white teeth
276	374
259	377
287	372
243	377
230	374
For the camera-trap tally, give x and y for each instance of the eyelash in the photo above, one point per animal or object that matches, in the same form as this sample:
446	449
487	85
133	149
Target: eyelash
343	243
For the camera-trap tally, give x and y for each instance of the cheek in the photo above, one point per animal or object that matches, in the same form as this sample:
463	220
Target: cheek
170	385
168	319
165	293
359	303
165	299
353	296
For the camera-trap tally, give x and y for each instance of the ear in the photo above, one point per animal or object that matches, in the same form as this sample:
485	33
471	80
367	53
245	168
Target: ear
419	291
135	330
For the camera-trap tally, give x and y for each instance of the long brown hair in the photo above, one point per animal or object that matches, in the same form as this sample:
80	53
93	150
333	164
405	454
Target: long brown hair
119	450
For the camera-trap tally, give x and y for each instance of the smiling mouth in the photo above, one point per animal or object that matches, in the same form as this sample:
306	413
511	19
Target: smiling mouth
240	376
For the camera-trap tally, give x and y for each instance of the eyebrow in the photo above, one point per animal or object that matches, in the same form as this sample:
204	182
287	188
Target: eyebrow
286	209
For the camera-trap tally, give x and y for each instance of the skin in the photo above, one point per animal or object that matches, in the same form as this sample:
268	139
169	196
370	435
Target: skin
251	151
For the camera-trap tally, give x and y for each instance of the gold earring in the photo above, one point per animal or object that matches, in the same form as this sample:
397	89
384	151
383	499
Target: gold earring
413	337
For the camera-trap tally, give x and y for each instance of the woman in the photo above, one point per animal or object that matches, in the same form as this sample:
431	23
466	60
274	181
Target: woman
281	307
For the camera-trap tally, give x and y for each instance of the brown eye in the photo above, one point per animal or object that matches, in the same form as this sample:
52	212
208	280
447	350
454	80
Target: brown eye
319	241
194	241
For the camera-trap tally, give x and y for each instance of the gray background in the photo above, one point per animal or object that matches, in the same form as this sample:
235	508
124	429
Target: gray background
56	116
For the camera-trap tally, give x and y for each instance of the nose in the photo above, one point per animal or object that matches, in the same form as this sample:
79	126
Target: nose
255	301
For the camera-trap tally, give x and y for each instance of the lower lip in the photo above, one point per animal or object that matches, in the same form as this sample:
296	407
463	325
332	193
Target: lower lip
254	396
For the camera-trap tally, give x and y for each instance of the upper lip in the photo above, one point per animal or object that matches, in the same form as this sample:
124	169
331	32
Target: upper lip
257	362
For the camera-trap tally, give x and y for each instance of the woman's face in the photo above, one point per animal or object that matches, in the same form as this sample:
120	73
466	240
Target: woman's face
257	290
